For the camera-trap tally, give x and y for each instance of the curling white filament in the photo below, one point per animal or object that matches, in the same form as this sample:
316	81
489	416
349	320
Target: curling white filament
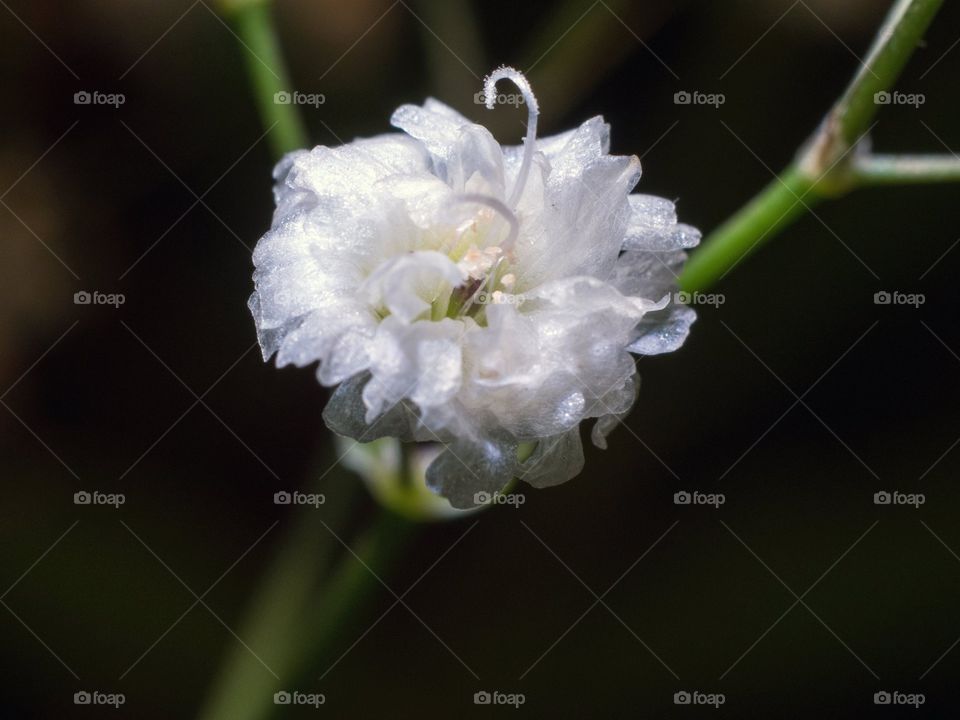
533	111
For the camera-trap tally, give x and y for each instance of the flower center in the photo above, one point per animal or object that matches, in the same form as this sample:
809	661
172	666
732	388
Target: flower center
478	245
483	258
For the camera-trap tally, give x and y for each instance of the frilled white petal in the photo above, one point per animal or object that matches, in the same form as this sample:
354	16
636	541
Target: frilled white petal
466	468
419	361
568	151
339	335
407	285
584	220
656	272
616	405
653	226
341	179
466	156
663	332
648	274
539	368
346	414
554	461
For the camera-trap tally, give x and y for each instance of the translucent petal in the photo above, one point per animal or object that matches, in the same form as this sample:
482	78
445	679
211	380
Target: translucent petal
653	226
406	286
420	361
345	414
466	468
647	274
663	332
584	222
617	403
343	177
555	460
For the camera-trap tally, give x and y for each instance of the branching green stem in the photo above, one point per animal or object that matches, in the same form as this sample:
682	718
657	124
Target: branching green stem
831	163
905	169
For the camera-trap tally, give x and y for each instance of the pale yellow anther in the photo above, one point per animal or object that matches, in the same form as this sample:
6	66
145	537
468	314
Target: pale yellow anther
476	263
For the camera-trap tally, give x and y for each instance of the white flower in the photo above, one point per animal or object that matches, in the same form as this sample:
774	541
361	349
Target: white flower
485	297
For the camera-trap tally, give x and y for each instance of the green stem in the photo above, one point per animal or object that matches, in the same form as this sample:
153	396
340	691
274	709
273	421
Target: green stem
456	23
901	33
561	58
329	625
906	169
253	22
783	200
289	590
829	164
296	625
244	688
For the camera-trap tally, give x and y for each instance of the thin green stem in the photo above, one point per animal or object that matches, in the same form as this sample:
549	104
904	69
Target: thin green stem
784	199
455	21
561	59
830	164
273	644
329	624
901	33
269	80
906	169
271	630
296	625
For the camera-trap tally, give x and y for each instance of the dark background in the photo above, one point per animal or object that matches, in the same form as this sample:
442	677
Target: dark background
112	206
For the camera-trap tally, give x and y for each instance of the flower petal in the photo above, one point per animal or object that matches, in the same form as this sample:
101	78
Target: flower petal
466	468
583	225
346	412
420	361
664	331
555	460
653	226
465	155
617	403
407	285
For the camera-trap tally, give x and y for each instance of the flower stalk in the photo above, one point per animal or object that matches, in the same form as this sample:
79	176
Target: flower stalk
833	162
906	169
254	24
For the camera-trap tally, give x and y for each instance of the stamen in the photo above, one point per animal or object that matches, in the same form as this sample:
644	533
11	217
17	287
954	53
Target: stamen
500	208
533	110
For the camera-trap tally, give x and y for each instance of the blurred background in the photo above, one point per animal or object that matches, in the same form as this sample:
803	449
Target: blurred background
798	397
